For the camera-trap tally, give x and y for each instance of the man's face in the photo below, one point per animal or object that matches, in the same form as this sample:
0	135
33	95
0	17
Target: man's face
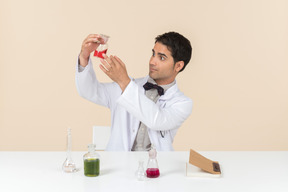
161	65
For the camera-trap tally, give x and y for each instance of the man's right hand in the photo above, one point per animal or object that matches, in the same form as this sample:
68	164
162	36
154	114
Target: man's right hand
89	44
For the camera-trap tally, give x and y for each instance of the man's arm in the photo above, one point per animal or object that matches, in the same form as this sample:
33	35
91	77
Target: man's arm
86	82
88	86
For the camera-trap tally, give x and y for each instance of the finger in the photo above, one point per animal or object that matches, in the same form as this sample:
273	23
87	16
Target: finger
103	68
89	37
91	40
89	46
99	38
119	60
105	64
96	38
114	60
108	59
93	36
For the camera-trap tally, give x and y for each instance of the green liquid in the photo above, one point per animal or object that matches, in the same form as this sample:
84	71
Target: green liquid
91	167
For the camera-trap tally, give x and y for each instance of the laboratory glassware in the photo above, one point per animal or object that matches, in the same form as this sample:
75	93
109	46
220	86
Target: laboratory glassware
91	162
69	166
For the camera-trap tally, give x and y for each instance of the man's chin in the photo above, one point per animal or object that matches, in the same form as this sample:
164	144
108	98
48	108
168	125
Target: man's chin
152	75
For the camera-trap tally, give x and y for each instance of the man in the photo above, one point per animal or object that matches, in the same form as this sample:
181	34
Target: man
141	115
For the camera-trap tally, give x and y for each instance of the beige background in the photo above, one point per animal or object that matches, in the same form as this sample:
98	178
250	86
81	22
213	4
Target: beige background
237	77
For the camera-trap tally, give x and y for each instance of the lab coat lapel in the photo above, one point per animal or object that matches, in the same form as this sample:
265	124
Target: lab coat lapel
170	93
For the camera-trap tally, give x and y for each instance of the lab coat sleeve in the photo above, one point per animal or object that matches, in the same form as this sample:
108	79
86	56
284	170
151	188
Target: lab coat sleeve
152	115
91	89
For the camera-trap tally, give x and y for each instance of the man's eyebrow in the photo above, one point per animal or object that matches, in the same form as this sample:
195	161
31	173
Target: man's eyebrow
161	54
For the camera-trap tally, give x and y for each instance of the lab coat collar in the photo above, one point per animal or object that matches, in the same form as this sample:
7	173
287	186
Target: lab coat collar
171	92
168	94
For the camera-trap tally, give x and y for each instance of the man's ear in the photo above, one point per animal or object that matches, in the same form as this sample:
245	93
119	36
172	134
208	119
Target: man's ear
179	65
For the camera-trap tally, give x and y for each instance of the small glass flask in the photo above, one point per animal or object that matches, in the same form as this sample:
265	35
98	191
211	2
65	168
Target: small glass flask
152	170
102	48
69	165
91	162
140	173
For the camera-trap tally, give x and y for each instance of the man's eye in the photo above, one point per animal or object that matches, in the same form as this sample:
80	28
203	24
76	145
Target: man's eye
162	58
153	54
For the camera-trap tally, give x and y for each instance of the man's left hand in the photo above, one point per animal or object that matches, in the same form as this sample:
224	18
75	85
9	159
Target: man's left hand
114	68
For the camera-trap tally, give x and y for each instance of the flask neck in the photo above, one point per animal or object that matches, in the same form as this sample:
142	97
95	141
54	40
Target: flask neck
152	154
105	38
91	151
92	148
69	143
152	163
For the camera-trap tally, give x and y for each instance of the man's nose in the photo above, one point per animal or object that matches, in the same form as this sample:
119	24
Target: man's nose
152	61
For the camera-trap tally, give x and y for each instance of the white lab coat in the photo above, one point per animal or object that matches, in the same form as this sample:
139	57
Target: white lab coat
132	106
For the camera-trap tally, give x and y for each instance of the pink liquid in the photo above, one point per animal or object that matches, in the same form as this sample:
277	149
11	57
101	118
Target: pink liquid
100	53
152	172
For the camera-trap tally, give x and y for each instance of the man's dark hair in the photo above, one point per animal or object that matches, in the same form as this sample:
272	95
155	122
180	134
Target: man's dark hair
179	46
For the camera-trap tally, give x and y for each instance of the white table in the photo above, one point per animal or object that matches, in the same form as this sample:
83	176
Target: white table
241	171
